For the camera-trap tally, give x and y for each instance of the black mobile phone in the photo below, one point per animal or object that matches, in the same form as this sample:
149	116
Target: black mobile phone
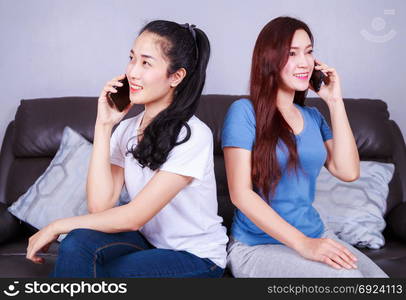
121	99
317	79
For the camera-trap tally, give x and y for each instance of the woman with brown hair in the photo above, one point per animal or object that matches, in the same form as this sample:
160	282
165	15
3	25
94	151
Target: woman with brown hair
274	148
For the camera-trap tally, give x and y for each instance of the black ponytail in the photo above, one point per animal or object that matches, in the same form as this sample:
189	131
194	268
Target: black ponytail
185	47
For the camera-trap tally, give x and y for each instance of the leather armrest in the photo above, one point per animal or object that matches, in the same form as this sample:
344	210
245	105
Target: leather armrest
9	225
396	221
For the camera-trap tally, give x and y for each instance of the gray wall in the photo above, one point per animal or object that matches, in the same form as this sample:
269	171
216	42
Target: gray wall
71	48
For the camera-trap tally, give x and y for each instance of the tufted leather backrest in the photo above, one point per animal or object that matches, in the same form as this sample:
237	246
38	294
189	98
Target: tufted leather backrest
34	137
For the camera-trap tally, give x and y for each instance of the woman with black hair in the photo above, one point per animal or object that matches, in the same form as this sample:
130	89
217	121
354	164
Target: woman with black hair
274	147
164	155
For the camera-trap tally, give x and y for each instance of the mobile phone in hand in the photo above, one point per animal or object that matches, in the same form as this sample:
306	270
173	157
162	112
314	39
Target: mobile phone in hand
121	99
317	79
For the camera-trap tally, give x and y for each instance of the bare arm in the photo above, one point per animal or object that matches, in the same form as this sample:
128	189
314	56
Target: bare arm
104	180
238	167
158	192
162	187
100	185
342	159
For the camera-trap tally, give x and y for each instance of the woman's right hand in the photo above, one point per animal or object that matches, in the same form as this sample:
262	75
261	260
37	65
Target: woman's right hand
106	114
327	251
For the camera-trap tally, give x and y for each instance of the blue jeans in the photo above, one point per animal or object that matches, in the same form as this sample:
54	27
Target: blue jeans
89	253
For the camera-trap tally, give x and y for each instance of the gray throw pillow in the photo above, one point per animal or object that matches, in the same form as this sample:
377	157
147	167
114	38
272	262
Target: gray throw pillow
61	191
355	210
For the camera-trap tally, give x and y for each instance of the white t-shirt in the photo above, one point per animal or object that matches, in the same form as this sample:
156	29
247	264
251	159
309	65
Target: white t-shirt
189	221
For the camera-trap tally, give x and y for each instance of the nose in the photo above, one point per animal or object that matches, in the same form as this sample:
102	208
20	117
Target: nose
303	62
133	71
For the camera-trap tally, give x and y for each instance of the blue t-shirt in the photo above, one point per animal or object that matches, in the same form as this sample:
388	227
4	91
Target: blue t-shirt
295	192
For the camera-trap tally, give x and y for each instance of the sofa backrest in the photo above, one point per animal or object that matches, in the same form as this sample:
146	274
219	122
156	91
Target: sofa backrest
378	139
33	138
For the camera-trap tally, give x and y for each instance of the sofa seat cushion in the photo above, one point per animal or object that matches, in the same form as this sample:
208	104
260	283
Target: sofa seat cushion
17	266
18	246
389	258
14	264
393	249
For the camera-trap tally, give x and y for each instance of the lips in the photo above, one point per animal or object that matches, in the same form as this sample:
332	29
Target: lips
303	76
135	87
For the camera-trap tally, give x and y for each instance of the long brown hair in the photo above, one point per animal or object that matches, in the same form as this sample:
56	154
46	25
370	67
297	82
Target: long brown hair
270	55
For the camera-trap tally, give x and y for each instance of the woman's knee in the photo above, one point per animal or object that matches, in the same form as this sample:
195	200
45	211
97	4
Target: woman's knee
75	239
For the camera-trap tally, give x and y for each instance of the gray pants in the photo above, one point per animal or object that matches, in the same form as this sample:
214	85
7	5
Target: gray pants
276	260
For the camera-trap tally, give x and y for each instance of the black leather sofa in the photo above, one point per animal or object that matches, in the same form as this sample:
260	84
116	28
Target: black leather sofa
32	139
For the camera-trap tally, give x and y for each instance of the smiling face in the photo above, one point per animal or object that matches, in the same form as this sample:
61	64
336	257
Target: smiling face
147	72
299	67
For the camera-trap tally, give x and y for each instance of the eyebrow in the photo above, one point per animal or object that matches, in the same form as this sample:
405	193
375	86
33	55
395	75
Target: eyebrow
144	55
308	46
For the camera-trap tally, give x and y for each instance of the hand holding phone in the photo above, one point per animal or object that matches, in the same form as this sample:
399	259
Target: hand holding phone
317	78
121	99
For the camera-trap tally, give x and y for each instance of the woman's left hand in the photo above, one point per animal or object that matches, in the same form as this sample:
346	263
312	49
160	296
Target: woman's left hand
330	91
40	242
